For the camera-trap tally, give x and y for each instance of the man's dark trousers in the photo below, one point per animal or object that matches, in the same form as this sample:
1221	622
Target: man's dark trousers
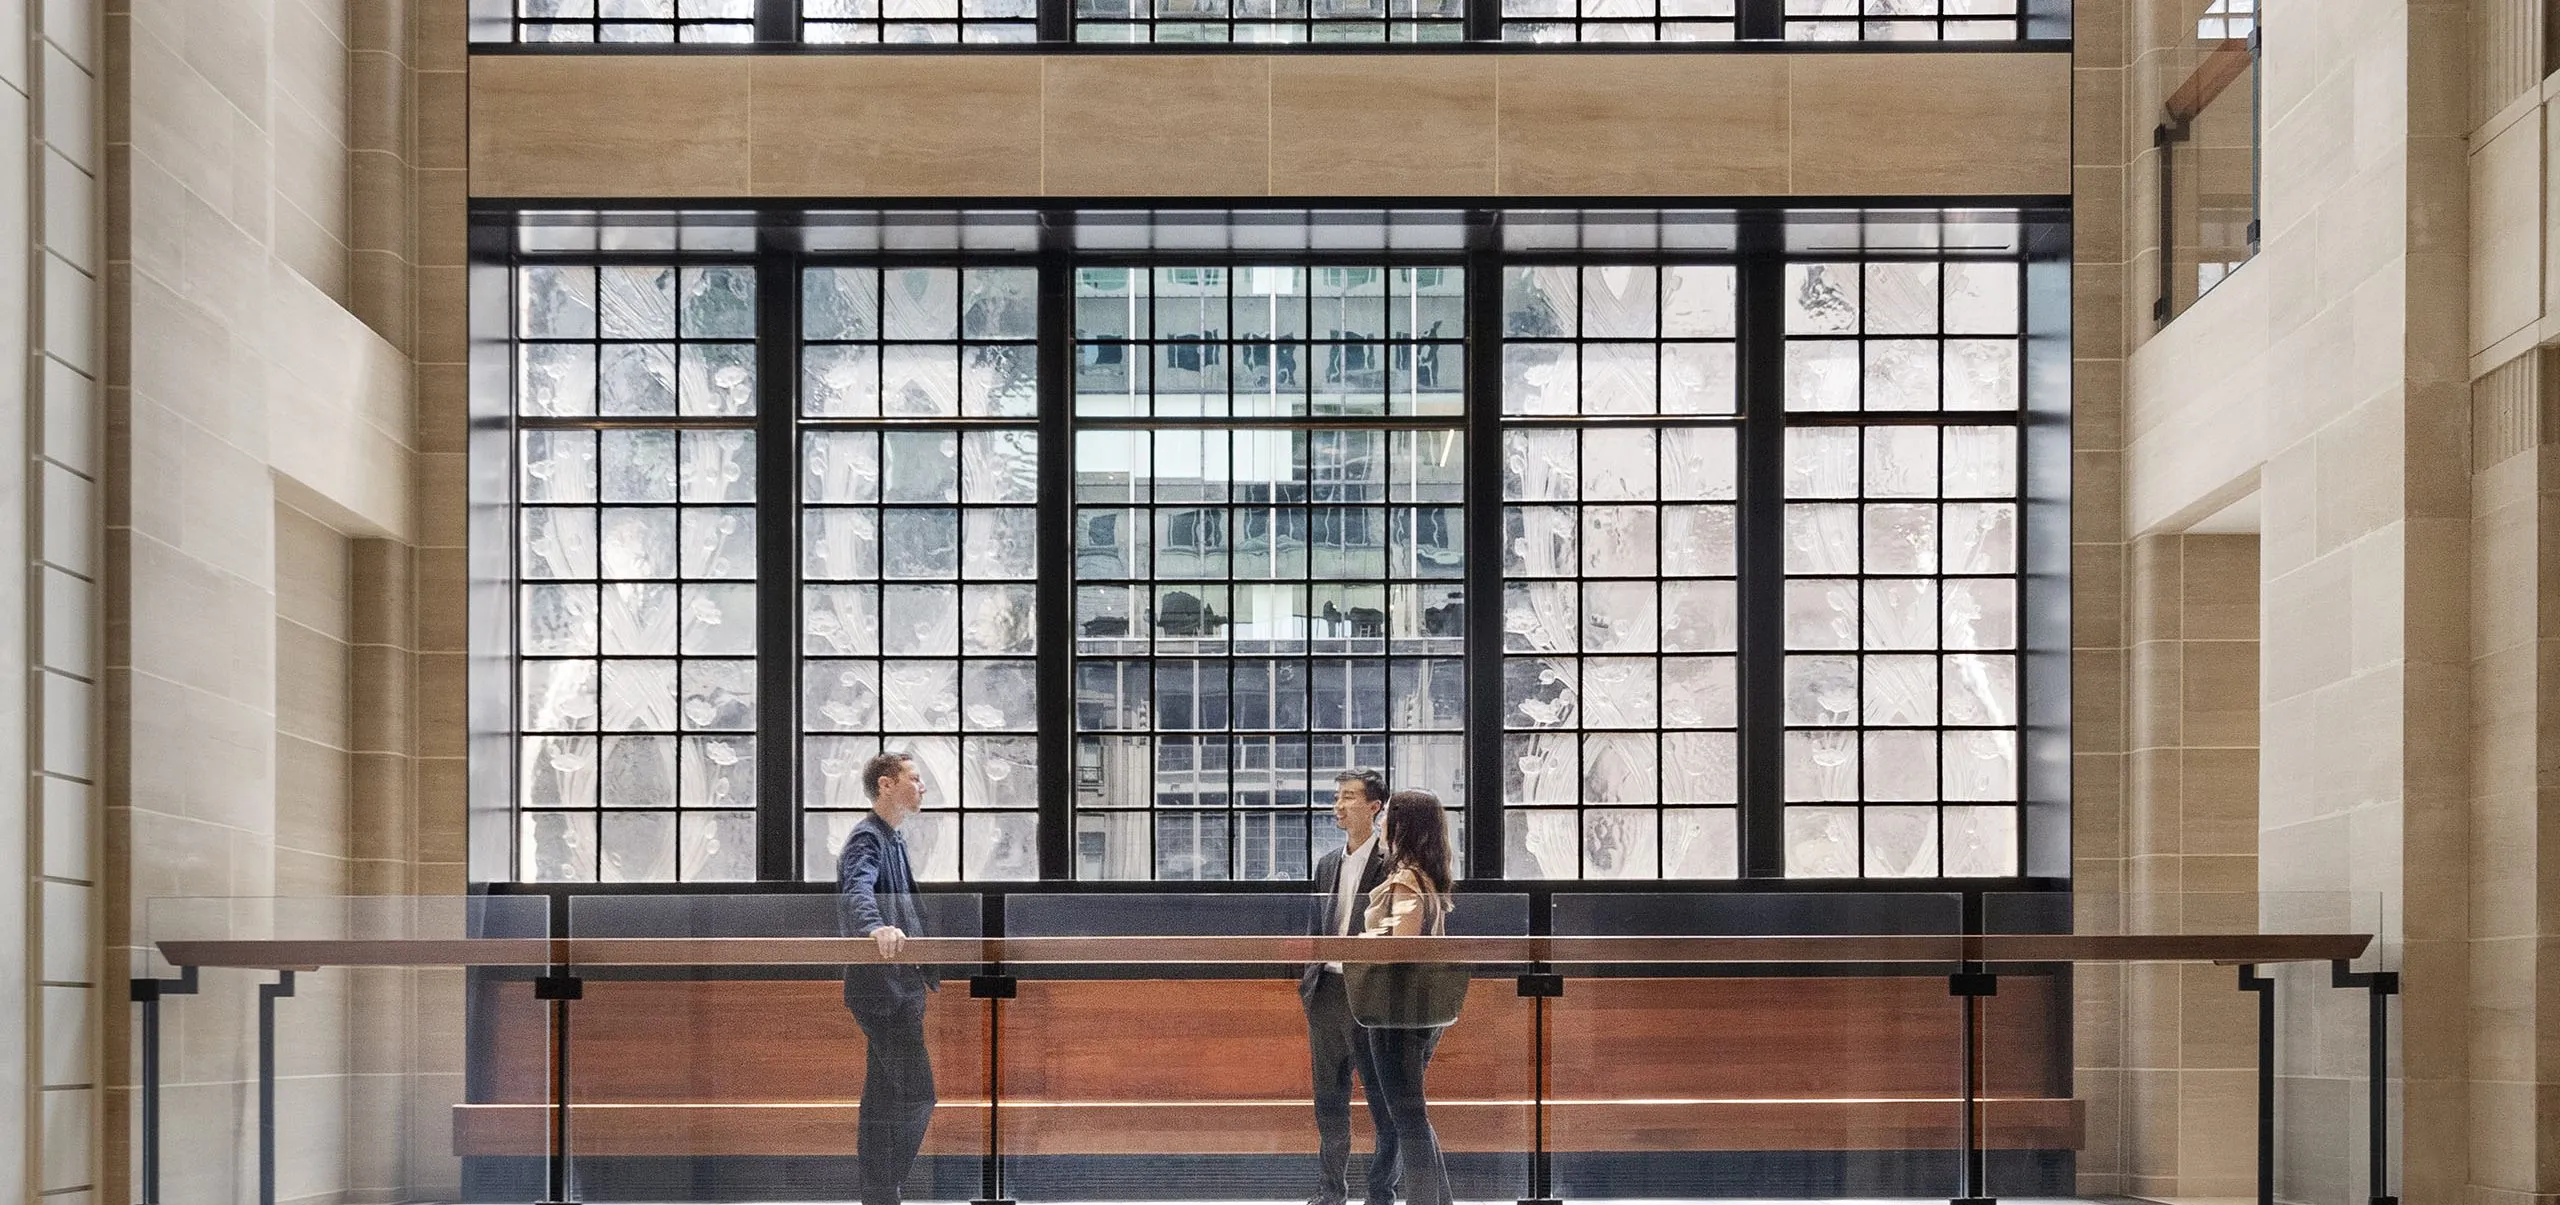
1337	1048
876	887
897	1092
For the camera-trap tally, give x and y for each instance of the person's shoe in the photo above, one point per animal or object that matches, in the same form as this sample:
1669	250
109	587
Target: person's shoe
1327	1199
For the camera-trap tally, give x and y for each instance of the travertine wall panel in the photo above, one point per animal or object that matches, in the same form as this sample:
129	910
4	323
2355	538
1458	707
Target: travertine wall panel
1429	131
1670	125
1108	123
903	127
1227	125
1850	125
674	126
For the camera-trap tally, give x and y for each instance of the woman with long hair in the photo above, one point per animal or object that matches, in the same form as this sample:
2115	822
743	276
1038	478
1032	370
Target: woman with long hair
1414	900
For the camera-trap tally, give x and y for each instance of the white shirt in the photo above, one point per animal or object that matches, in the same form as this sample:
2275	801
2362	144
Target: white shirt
1347	887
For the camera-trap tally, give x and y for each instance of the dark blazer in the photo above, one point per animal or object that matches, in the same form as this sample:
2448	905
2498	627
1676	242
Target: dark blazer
1327	881
876	887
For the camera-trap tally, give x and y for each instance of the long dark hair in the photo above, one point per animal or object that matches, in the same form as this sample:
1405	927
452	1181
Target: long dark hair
1418	836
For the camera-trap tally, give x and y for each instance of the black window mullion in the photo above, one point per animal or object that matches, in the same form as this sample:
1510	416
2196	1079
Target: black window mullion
1761	586
1760	20
777	20
1056	675
777	508
1482	651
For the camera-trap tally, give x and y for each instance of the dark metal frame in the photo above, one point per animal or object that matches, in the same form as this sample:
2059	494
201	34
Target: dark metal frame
1761	237
779	25
148	993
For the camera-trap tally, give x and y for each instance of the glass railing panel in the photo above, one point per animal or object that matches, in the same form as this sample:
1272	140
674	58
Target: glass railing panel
754	1047
1817	1057
2164	1037
1155	1065
380	1011
2208	144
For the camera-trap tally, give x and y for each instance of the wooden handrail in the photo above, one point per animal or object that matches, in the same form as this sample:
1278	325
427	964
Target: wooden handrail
2224	63
1560	952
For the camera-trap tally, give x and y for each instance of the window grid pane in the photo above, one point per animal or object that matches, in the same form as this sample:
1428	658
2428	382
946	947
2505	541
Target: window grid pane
911	22
1901	558
1617	20
1904	20
1262	605
1270	21
635	21
1620	610
919	476
636	622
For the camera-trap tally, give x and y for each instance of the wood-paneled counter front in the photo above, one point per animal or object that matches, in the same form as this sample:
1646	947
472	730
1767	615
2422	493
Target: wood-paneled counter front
1220	1067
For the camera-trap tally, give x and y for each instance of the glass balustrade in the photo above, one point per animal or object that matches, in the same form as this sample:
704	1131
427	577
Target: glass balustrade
680	1045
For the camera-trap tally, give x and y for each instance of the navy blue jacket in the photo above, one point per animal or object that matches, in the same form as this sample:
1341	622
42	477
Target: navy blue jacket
876	887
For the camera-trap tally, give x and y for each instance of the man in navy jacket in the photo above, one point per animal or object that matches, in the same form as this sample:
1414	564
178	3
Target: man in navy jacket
877	899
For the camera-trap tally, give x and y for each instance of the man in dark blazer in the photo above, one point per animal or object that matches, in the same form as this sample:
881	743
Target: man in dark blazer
1343	880
876	898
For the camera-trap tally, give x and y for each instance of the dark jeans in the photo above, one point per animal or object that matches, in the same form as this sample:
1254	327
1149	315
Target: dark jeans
1400	1056
1336	1048
897	1095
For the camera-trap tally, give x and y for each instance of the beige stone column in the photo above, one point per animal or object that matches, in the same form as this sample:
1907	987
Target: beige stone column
2191	837
2514	901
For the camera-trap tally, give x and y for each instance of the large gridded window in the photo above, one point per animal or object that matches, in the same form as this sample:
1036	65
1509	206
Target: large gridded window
1271	527
636	619
919	554
635	20
1903	392
1270	557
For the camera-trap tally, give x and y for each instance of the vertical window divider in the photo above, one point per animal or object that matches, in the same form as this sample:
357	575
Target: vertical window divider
1759	20
777	21
1056	593
777	510
1484	805
1760	545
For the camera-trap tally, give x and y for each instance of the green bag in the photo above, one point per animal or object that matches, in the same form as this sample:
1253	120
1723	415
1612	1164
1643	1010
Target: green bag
1405	995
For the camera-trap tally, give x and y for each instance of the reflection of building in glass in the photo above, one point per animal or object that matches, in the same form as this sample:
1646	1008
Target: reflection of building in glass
1260	607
